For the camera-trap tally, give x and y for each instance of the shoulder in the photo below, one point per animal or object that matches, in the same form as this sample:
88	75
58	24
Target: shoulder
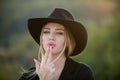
85	72
29	75
81	71
78	65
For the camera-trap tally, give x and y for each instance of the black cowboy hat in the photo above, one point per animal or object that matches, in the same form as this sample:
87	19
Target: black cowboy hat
65	18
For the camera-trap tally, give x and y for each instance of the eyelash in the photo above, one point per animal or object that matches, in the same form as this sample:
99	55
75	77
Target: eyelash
47	32
60	33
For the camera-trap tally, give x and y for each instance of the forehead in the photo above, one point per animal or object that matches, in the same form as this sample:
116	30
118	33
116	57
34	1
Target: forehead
53	25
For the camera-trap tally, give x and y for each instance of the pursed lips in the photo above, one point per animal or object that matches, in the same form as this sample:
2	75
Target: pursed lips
51	44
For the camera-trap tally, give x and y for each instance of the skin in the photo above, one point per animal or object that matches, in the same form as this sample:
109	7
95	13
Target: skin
53	40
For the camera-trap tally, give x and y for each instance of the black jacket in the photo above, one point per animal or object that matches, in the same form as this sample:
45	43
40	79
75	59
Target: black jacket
72	71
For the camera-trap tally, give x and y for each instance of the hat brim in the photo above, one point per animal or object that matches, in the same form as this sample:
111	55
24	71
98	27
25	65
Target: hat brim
78	30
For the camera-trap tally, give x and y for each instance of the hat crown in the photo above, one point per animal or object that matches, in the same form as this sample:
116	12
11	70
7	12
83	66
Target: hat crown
61	14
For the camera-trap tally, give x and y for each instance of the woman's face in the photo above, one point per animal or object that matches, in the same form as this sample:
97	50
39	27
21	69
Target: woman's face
53	35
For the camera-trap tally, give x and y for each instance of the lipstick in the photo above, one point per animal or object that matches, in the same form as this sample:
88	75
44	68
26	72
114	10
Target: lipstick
51	45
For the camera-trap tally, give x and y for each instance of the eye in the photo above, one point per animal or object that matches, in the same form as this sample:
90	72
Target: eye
60	33
46	32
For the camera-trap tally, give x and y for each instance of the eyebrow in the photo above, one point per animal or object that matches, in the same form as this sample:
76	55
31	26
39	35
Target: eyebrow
60	29
46	28
55	29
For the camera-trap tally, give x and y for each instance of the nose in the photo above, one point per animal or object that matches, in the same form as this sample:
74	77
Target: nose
51	37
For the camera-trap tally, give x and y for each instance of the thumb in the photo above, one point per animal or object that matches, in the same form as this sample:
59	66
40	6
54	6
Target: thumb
37	65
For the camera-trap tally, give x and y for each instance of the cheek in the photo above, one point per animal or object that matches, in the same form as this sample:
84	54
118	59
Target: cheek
61	41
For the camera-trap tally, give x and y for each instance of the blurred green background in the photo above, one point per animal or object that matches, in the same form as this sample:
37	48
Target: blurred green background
102	21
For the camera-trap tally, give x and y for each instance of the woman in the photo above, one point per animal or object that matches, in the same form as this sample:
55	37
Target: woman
59	37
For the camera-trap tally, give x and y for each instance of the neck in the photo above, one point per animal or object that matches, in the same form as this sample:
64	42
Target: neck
60	61
57	58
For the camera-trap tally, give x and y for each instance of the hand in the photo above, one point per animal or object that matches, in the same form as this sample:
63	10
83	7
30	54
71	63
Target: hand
46	69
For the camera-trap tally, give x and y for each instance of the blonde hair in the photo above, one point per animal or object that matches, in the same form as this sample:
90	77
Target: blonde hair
67	49
70	42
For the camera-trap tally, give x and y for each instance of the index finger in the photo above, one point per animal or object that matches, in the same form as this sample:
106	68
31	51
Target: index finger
45	57
49	55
